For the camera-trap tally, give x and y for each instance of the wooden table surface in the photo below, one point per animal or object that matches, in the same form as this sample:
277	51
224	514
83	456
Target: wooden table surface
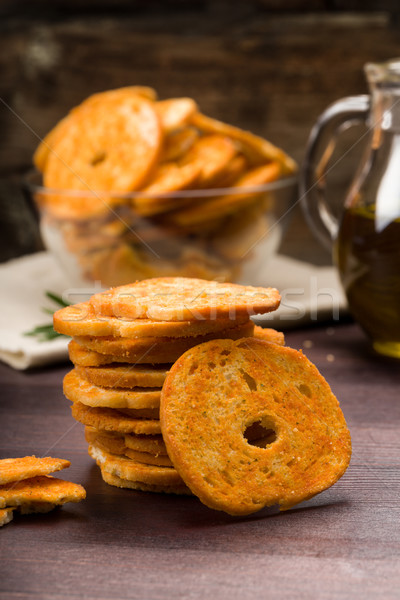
344	543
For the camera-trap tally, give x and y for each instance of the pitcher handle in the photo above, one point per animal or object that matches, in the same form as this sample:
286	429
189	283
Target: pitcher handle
320	147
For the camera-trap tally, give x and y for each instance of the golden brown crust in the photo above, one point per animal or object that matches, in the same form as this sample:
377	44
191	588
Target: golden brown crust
269	335
216	390
144	487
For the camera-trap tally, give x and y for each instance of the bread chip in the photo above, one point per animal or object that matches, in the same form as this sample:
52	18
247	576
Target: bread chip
177	143
254	147
144	487
180	298
147	458
109	419
15	469
129	469
217	390
6	515
163	348
269	335
175	112
81	319
41	491
88	358
102	143
153	444
225	204
168	178
77	389
212	154
125	376
112	443
47	144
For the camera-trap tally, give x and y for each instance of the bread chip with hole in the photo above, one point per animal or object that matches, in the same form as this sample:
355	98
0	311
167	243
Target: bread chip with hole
216	391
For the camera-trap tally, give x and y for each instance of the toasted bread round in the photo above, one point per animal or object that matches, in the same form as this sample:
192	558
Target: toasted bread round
81	319
77	389
218	390
125	376
153	444
166	349
129	469
143	487
109	419
181	298
112	443
15	469
102	142
175	112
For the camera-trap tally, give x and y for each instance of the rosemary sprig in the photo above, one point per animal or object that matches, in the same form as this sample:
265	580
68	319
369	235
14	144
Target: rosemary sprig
45	333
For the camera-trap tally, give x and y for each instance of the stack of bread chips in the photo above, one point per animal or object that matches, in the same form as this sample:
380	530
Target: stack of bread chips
26	486
124	343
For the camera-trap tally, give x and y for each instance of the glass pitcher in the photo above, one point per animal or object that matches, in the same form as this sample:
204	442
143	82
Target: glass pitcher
366	237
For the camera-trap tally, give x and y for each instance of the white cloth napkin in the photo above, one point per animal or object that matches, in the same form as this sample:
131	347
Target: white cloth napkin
309	293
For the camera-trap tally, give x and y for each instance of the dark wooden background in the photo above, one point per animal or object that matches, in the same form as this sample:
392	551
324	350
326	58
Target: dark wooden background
267	65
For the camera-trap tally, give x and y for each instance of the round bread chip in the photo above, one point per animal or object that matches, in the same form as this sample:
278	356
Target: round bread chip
147	458
81	320
174	113
112	443
129	469
181	298
88	358
77	389
212	154
50	140
177	143
109	419
125	376
102	142
254	147
161	347
225	204
42	489
269	335
168	178
144	487
153	444
215	391
15	469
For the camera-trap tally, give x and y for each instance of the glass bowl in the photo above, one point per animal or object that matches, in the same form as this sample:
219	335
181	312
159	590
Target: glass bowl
112	239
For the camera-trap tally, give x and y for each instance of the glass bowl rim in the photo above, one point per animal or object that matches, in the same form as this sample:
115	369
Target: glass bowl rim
29	184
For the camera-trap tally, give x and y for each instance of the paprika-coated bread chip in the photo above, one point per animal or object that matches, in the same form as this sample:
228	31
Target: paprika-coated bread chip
215	391
127	468
184	298
164	348
144	487
41	489
110	419
108	146
81	319
125	376
77	389
15	469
